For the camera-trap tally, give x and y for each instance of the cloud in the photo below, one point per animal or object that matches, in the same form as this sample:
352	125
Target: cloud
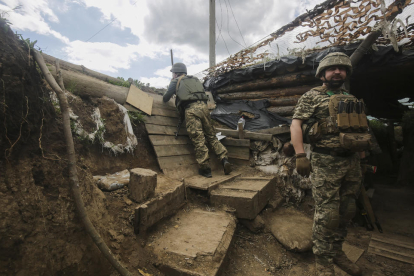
101	56
30	16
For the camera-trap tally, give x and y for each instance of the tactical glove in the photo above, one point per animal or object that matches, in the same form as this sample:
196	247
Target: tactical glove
303	165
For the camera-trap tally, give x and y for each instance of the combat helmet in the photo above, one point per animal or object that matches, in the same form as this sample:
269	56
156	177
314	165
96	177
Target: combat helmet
179	68
332	59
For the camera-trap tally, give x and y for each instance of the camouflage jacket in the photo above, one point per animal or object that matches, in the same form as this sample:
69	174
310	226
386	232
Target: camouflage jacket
315	104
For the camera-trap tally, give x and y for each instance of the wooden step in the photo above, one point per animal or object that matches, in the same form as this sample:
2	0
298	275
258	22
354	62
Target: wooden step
247	195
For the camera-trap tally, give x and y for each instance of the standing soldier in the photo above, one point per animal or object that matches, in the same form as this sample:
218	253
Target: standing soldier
191	102
334	123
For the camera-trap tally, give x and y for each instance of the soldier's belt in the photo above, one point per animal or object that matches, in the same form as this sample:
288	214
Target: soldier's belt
333	152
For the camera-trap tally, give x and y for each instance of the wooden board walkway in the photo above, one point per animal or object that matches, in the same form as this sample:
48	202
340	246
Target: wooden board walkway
393	247
176	156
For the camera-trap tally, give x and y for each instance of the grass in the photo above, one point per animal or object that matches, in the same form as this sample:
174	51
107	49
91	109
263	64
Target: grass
136	117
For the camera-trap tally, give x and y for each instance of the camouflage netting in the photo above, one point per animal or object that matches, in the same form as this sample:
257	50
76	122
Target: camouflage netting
331	23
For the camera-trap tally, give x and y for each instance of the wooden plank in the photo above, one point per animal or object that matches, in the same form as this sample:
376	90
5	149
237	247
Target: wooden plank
385	248
169	162
400	241
275	130
239	162
139	99
390	255
162	140
173	150
162	121
408	252
163	106
248	134
165	112
181	172
164	130
238	152
255	178
240	130
236	142
202	183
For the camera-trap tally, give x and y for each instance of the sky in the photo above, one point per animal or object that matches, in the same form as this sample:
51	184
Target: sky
133	38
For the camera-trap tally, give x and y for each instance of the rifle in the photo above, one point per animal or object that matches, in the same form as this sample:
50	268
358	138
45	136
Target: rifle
180	122
367	211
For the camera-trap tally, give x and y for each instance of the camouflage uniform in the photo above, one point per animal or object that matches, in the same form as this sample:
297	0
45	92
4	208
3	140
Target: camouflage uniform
199	127
335	180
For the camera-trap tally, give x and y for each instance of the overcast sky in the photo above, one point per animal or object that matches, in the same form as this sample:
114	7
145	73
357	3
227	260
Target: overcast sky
140	34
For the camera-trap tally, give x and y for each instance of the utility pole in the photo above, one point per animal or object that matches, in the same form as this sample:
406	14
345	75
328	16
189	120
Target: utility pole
212	41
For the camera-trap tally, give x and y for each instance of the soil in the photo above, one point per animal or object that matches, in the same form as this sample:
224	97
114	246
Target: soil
115	131
83	108
41	233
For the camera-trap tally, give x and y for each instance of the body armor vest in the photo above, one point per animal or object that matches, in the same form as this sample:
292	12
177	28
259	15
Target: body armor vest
346	118
190	88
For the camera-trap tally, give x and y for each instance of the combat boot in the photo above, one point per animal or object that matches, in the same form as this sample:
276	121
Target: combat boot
206	172
324	269
226	166
346	265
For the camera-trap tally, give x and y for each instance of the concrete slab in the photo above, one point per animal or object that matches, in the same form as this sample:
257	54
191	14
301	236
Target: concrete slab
207	184
169	198
194	242
291	228
247	195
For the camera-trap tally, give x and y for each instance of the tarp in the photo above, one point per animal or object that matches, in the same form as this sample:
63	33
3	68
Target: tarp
256	115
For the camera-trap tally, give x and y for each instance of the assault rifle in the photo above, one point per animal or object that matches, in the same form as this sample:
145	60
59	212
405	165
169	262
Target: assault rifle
180	122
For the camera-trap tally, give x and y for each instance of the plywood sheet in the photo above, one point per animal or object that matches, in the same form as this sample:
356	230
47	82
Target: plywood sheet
202	183
139	99
236	142
353	253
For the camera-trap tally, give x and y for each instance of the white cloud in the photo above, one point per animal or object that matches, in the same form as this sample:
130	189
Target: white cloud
101	56
158	82
29	16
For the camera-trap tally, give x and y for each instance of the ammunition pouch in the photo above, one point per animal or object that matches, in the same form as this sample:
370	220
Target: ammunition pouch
355	141
311	131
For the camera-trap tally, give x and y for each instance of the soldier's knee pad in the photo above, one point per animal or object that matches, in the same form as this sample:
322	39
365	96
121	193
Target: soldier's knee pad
332	221
348	208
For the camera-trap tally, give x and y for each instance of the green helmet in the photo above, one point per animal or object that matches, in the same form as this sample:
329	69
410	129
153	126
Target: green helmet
179	68
334	59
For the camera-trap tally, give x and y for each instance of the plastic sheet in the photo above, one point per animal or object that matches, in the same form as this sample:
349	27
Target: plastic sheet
255	113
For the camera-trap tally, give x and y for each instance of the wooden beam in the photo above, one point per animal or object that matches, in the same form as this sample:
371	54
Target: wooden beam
236	142
282	110
247	135
169	162
293	79
266	94
238	152
275	130
164	112
162	121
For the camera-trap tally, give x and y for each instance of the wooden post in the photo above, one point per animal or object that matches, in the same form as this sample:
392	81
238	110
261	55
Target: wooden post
241	131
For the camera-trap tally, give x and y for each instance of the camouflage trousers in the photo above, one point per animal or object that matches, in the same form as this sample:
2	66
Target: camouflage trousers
335	185
200	129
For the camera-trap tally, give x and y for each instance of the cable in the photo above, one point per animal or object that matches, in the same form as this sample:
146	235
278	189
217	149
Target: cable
228	31
221	22
237	23
100	30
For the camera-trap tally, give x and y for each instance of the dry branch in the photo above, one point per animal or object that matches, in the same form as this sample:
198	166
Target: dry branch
90	229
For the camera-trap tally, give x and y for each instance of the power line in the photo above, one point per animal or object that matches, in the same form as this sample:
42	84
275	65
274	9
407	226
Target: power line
228	31
237	23
101	30
221	22
106	26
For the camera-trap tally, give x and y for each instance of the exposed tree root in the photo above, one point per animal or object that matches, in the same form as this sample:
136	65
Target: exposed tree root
90	229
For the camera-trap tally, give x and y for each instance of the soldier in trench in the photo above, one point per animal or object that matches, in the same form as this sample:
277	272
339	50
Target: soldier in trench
338	142
191	102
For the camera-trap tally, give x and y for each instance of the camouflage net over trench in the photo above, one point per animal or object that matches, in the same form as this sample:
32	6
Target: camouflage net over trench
331	23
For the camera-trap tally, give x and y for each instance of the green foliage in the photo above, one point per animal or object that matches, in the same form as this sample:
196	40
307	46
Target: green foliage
71	87
136	117
408	120
138	83
121	82
380	131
